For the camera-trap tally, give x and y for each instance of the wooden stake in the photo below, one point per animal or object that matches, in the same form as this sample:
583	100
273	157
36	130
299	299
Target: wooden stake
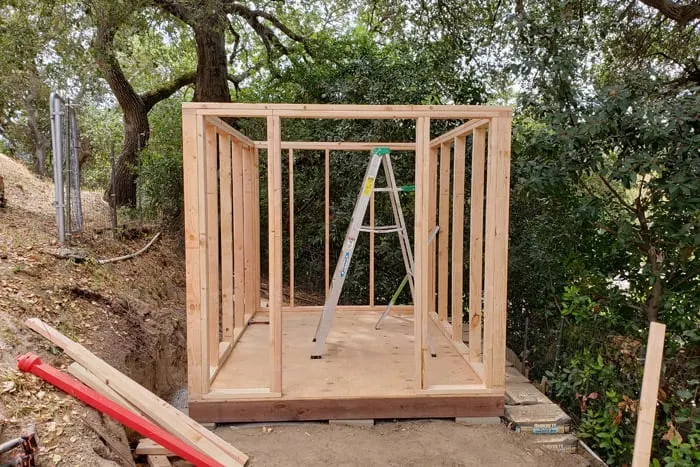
476	242
647	401
444	232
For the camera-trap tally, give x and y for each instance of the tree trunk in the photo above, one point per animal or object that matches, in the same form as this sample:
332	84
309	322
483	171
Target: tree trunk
41	142
653	301
136	135
211	83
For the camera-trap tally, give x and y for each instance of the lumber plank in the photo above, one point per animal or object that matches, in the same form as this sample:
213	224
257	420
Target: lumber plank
95	383
226	226
212	216
458	190
422	406
275	249
462	130
291	226
248	225
162	413
148	447
340	145
496	251
256	229
432	222
238	235
327	213
476	241
444	232
198	367
342	111
421	234
647	401
229	130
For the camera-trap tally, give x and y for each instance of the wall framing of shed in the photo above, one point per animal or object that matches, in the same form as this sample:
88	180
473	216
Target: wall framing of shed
222	241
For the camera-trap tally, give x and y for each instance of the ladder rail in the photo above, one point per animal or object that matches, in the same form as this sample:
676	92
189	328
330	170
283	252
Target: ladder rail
341	268
404	241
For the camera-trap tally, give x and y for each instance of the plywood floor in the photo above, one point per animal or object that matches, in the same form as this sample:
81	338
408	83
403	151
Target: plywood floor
359	360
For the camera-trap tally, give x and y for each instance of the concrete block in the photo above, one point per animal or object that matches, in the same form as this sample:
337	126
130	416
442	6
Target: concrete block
560	443
538	419
357	422
524	394
514	376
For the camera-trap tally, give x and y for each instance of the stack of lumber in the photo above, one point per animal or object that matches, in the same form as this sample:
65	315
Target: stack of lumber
107	381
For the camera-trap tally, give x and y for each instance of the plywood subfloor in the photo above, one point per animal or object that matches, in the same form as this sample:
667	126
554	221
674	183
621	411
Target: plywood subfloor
359	360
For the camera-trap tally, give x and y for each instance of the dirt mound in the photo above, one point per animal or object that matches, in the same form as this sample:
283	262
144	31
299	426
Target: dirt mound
130	313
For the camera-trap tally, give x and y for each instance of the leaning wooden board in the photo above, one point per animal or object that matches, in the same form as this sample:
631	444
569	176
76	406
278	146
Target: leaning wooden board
165	415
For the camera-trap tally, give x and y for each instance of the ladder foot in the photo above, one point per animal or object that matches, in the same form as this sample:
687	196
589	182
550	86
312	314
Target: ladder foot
434	355
316	357
313	340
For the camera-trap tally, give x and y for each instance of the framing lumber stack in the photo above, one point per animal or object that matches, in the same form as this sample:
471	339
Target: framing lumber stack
222	185
118	387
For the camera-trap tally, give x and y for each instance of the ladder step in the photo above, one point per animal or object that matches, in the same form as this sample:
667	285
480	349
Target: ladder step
382	229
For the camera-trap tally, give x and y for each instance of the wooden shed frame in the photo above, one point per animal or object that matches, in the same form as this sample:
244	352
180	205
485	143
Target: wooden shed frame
222	241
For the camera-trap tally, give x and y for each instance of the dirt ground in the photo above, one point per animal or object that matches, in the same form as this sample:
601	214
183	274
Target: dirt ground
132	314
406	444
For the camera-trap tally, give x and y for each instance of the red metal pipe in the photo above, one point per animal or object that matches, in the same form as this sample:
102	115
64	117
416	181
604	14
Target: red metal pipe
31	363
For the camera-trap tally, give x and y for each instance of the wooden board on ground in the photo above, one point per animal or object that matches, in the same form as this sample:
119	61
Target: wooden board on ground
165	415
148	447
97	385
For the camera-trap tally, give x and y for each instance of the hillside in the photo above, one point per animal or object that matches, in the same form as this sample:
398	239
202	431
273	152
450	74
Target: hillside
130	313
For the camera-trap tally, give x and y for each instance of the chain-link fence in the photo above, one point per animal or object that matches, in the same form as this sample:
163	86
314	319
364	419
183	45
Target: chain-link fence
65	141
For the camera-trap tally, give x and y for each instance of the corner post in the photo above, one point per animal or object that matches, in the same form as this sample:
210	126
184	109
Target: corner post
496	251
422	249
274	176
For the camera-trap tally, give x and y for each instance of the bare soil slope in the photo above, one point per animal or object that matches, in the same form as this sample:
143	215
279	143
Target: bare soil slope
130	313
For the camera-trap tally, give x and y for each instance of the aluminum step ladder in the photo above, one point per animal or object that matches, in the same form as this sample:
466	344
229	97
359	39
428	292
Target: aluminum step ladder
377	156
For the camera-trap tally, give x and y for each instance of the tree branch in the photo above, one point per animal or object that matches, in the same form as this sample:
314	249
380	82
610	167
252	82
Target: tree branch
166	90
617	195
682	14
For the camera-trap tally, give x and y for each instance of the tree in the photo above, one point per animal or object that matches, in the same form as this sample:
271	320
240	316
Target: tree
209	23
41	51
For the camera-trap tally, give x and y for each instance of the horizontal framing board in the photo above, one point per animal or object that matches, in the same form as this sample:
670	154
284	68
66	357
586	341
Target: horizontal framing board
340	145
355	408
347	111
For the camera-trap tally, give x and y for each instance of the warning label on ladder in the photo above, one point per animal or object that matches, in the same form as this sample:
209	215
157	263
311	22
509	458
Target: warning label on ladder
368	186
